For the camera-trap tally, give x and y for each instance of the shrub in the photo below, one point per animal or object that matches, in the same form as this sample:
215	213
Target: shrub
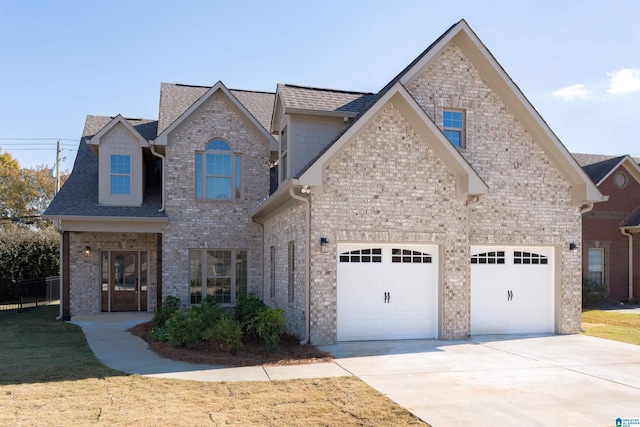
247	308
159	333
169	306
187	329
226	334
592	292
183	330
269	325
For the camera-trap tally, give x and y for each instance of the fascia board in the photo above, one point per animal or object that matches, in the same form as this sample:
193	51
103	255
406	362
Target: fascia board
463	36
467	180
95	140
219	86
105	218
274	203
630	166
110	224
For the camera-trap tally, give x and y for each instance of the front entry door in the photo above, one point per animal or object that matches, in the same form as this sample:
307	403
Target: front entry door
125	285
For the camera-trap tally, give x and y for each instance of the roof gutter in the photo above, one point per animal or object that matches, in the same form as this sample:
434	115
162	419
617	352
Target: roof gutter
161	157
307	230
625	232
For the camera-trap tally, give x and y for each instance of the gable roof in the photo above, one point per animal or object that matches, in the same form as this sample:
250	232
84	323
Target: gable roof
583	190
600	171
597	171
632	220
78	197
468	182
175	99
170	108
94	141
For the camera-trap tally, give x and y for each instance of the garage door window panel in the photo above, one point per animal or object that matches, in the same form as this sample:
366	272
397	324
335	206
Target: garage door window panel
410	256
495	257
362	255
520	257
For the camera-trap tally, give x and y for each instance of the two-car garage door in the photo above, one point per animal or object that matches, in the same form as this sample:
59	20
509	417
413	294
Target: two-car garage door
390	291
387	291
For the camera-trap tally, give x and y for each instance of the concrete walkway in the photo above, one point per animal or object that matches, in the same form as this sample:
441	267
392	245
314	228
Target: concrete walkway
534	380
118	349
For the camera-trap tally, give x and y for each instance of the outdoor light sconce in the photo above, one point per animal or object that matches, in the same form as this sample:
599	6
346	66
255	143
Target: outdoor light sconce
324	241
573	246
87	250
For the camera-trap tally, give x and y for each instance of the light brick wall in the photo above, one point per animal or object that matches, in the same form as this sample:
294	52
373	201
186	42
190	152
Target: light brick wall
279	230
85	270
529	202
388	186
215	224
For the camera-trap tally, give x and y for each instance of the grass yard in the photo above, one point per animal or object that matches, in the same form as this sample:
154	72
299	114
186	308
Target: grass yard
611	325
49	377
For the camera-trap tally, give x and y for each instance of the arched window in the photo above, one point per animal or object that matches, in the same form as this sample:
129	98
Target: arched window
218	172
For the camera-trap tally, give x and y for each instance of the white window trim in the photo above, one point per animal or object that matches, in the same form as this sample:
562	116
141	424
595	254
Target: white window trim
462	129
235	189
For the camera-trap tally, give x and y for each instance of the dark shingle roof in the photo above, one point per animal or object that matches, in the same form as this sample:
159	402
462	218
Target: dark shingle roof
632	220
599	170
175	99
317	99
79	195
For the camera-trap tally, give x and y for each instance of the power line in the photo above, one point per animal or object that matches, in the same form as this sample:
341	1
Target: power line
39	139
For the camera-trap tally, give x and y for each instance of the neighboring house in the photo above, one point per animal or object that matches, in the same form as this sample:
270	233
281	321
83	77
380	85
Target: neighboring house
441	206
610	231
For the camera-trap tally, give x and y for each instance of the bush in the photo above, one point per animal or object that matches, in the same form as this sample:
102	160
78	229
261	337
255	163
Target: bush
28	254
169	306
592	292
226	334
247	308
269	326
187	329
184	330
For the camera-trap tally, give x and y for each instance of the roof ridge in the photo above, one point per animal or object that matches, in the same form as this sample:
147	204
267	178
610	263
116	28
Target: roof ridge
253	91
353	92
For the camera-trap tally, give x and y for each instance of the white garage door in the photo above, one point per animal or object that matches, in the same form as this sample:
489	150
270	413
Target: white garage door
387	291
512	290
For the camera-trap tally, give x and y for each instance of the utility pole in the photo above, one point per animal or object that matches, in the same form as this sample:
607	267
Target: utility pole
58	167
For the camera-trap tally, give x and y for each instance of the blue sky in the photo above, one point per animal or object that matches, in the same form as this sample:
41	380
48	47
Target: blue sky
578	62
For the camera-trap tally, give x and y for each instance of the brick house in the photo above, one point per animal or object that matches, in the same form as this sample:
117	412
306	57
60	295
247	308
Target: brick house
439	207
610	243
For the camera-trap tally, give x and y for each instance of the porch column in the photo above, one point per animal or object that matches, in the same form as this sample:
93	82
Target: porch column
66	278
159	270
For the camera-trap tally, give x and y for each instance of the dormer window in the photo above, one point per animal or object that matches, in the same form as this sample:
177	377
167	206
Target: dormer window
120	174
453	127
218	172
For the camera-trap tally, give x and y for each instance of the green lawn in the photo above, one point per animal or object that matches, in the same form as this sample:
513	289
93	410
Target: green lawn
612	325
50	377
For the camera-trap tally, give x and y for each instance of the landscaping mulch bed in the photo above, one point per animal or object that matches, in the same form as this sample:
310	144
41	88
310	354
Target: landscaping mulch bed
289	351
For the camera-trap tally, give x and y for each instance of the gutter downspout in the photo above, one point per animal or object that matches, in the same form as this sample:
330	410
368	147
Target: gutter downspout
630	236
58	227
586	209
307	204
155	153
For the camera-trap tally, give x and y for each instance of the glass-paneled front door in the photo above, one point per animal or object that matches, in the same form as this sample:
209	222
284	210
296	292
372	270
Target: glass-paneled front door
124	281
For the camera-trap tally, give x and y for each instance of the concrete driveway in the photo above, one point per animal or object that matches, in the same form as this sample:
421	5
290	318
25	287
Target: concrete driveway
543	380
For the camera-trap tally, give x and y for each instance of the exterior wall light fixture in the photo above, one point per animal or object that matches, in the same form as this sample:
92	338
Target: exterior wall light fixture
87	250
573	246
324	241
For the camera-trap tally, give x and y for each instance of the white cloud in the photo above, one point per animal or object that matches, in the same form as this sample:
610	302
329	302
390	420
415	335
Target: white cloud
626	80
571	93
